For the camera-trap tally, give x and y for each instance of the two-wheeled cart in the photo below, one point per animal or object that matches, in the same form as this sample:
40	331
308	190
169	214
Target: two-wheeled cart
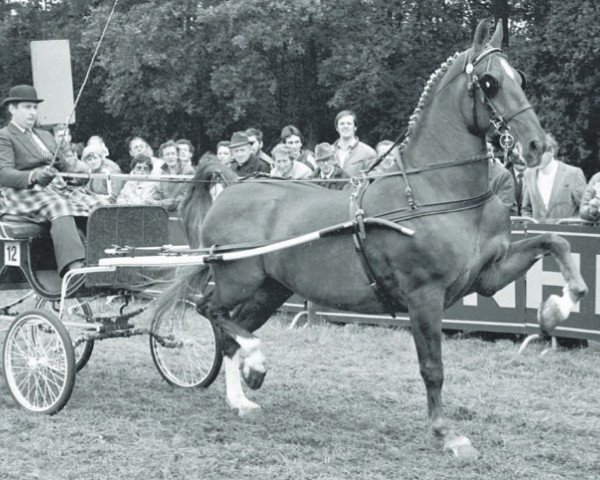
46	345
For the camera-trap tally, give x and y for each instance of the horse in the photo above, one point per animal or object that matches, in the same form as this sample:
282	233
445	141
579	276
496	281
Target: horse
440	235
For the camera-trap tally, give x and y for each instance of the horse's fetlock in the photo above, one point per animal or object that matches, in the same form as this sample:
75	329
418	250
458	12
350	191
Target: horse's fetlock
248	344
432	376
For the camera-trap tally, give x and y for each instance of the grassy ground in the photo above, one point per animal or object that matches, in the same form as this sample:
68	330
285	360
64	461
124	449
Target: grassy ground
339	403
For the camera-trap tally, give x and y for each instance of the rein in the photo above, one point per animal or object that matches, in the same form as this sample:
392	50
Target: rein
413	210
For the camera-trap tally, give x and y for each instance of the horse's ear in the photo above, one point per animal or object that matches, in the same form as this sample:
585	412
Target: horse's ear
481	35
496	40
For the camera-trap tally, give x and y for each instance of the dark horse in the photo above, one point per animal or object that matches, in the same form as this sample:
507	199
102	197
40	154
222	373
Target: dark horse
461	241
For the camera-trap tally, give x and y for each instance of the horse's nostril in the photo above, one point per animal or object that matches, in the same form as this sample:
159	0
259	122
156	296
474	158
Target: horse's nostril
536	146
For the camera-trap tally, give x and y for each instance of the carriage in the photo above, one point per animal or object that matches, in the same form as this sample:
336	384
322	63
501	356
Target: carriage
48	342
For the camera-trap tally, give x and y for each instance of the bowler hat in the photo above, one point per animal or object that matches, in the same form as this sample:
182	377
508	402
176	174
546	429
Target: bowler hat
239	139
324	151
22	93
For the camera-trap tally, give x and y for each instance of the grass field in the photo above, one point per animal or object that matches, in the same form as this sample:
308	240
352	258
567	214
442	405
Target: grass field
338	403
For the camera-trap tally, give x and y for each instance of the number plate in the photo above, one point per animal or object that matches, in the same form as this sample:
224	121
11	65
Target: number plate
12	253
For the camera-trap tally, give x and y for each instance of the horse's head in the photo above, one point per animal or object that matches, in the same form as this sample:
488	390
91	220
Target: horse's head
496	101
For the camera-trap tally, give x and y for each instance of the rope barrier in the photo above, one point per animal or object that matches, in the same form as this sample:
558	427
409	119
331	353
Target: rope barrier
189	178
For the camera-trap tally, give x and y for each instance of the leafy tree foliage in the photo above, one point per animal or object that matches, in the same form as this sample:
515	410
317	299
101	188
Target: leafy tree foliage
203	69
563	53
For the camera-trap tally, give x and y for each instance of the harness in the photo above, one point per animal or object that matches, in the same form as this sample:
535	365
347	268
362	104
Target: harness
486	87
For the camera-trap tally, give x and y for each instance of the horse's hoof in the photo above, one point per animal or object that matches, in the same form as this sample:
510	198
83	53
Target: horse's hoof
550	314
254	378
461	447
249	411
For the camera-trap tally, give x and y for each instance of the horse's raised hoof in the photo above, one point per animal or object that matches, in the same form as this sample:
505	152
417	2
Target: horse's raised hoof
254	369
550	314
461	447
253	378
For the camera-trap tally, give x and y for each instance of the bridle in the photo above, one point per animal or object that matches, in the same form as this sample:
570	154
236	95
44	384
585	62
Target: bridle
487	85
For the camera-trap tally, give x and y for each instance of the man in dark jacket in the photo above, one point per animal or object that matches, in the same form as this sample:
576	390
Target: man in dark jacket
245	162
328	169
28	186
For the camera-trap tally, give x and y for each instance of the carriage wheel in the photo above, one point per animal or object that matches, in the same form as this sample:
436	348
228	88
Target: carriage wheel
75	314
186	347
39	363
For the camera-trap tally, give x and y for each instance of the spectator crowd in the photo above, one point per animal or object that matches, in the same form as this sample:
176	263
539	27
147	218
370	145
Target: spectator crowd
154	174
548	193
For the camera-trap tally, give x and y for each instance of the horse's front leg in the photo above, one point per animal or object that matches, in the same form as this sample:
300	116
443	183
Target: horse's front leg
241	356
520	257
236	398
425	310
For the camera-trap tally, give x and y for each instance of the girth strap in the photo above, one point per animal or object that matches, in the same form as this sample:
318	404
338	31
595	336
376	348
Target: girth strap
358	236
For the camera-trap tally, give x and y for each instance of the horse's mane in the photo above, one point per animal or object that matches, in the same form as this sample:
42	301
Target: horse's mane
426	95
198	199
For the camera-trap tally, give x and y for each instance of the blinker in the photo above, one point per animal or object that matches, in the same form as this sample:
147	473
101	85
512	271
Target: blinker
523	79
489	85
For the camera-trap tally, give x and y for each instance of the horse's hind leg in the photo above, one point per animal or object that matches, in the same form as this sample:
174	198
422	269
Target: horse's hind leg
425	310
241	349
520	257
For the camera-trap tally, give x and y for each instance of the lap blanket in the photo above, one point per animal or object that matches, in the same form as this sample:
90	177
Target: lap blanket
45	204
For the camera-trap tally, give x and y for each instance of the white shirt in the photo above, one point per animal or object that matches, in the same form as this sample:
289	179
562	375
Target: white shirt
545	181
343	152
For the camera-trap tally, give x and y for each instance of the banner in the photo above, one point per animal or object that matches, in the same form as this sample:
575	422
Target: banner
51	69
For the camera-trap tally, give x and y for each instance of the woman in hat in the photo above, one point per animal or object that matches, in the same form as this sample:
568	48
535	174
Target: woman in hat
94	157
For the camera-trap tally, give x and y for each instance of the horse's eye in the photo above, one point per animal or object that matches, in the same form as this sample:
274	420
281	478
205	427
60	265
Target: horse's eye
489	85
523	79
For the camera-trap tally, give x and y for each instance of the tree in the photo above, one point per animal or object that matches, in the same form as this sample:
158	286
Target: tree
201	70
564	53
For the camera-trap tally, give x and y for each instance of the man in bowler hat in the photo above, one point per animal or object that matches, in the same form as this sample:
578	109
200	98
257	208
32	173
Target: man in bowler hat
28	183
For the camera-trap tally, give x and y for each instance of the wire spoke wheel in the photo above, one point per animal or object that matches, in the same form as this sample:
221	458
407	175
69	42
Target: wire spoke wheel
39	363
186	347
76	314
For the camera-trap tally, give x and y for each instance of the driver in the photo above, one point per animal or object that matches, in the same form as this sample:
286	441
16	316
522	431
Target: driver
29	186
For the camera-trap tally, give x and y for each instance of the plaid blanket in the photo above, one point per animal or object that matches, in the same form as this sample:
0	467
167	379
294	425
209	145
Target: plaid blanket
47	203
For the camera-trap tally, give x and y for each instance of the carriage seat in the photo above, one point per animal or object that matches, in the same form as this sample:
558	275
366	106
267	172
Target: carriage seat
20	228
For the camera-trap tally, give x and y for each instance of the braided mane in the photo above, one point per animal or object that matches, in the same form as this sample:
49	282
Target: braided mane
425	96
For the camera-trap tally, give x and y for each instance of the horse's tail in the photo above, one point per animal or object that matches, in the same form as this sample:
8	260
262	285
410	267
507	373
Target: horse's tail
198	199
191	283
